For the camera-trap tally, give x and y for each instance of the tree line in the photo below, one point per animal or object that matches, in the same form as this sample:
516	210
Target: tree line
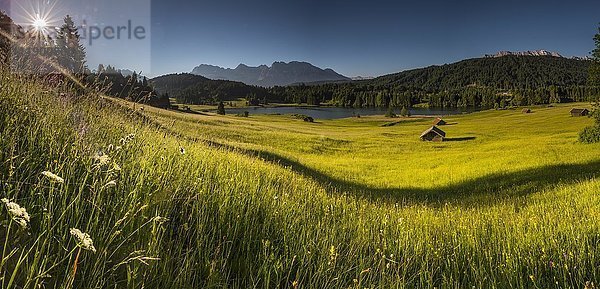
194	89
484	82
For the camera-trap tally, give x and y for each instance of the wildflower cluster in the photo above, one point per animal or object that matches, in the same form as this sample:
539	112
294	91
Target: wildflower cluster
17	213
104	162
83	240
102	159
53	178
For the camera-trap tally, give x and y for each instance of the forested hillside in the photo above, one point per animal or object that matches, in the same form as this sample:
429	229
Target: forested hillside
194	89
481	82
488	82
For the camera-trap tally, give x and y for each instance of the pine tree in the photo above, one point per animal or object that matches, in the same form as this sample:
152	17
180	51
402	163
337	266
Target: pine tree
9	28
221	108
404	112
592	134
390	112
71	53
594	76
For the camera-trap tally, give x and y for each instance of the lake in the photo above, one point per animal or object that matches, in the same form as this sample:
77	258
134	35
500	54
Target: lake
340	112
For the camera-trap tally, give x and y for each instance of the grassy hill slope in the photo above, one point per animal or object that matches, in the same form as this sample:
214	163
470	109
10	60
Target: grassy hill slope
186	201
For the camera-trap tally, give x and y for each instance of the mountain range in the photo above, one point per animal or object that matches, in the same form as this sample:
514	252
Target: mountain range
525	53
534	53
278	74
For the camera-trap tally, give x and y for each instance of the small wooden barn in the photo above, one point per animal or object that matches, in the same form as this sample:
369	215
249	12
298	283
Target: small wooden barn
439	121
526	110
576	112
433	134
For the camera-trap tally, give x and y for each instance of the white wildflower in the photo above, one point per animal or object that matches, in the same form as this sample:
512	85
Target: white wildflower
83	240
17	213
53	178
102	159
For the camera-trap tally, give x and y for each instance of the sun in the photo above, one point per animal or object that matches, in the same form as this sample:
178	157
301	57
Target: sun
39	16
39	24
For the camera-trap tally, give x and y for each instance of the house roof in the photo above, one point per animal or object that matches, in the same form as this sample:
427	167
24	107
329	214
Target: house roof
435	130
438	120
579	110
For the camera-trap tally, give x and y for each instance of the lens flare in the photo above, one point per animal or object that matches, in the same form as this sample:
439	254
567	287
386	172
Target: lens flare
39	24
39	16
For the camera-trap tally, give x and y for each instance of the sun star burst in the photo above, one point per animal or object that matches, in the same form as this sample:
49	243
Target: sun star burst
37	15
39	24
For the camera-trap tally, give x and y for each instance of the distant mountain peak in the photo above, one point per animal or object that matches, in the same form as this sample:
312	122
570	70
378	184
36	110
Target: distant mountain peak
362	78
525	53
278	74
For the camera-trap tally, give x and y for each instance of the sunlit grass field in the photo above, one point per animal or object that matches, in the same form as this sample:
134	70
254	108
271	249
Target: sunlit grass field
175	200
365	153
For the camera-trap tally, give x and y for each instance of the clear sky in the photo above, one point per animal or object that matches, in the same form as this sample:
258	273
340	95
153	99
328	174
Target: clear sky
366	38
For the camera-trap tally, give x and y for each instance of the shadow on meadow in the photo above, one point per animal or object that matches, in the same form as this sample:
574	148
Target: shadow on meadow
481	191
459	139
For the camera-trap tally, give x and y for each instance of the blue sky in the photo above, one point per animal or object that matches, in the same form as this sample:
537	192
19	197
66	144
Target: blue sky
367	38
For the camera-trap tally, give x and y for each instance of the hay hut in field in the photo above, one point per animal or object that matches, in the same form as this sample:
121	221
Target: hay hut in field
526	110
434	134
439	121
577	112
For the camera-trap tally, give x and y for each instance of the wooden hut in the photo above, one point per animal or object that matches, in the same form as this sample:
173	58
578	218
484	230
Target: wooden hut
433	134
577	112
526	110
439	121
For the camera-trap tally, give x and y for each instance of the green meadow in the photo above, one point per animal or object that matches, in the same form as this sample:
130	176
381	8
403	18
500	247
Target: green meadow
174	200
385	157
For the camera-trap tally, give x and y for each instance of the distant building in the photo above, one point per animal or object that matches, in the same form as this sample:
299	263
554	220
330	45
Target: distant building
439	121
576	112
433	134
526	110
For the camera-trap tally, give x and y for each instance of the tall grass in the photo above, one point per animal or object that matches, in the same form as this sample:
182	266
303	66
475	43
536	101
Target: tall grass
164	211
